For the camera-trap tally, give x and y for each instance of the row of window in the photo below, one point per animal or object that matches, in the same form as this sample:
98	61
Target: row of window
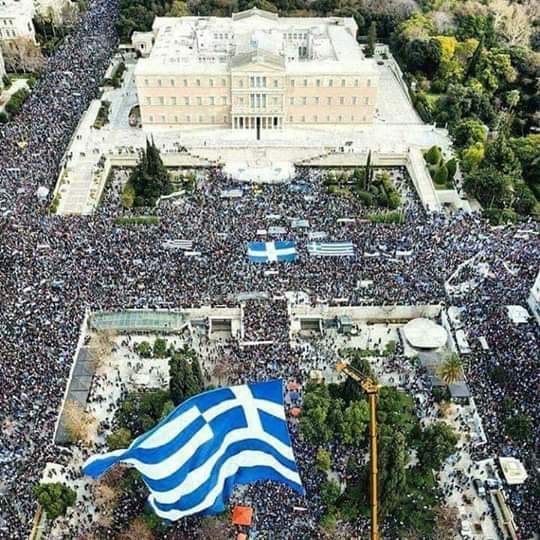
329	100
187	100
260	82
255	100
205	119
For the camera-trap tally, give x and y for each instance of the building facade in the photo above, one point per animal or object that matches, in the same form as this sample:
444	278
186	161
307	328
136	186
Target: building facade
254	70
16	20
534	298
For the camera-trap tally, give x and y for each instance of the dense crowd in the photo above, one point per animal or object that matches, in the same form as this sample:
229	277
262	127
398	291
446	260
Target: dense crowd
265	321
52	269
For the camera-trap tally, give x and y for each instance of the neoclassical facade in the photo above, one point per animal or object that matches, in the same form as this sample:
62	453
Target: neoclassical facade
16	20
254	70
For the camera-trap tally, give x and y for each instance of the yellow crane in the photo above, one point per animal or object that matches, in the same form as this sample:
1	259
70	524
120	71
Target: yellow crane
371	388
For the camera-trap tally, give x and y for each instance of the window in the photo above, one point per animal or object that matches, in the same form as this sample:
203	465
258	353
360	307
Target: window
173	101
172	82
150	118
342	101
159	82
343	83
354	101
200	118
292	83
188	118
305	82
339	118
224	100
369	82
330	83
315	118
366	101
276	83
186	101
162	118
148	101
211	82
145	82
291	101
161	100
185	82
328	118
329	101
252	82
317	100
199	101
223	82
212	100
241	100
303	118
356	82
212	119
275	100
304	101
198	83
318	82
290	119
240	83
176	119
225	119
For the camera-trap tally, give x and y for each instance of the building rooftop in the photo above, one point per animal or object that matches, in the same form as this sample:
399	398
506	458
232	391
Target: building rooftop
301	45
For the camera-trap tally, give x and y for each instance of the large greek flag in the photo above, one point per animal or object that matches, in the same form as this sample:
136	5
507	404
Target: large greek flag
194	457
331	249
265	252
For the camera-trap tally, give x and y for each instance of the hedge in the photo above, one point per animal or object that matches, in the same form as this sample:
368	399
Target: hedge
15	103
387	217
138	220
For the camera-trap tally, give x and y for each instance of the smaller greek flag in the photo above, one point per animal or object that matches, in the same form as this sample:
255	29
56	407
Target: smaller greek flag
266	252
331	249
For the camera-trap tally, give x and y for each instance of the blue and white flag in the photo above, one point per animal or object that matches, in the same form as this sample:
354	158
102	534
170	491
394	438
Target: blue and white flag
331	249
195	456
265	252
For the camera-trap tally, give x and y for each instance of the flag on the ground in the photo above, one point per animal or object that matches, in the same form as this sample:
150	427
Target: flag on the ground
265	252
195	456
331	249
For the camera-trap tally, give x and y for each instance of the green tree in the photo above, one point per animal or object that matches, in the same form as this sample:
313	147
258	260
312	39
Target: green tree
371	40
475	59
150	178
119	438
179	9
472	156
160	348
491	187
323	461
314	418
55	498
393	460
437	442
396	410
441	175
330	492
423	55
451	165
499	154
468	132
356	419
433	156
197	372
336	419
519	427
451	369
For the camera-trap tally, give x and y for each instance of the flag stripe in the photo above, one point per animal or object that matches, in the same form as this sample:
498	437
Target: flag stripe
330	249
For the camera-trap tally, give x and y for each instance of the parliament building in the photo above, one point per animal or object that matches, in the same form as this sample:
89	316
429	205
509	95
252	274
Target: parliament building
254	70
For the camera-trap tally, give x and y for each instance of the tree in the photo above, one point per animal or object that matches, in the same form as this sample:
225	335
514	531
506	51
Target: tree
23	55
372	39
396	410
475	59
185	377
313	421
423	55
179	9
355	422
450	370
137	529
441	175
160	348
77	421
55	498
519	427
367	175
433	156
437	442
330	492
323	461
499	154
119	438
393	460
150	178
447	522
468	132
472	156
491	187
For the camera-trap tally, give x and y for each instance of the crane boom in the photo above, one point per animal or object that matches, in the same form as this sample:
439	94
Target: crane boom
371	388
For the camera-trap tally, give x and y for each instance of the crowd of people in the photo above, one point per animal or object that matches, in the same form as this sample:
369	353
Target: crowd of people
265	321
52	269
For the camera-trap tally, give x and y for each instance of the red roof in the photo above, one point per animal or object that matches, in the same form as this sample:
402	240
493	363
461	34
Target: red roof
242	515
